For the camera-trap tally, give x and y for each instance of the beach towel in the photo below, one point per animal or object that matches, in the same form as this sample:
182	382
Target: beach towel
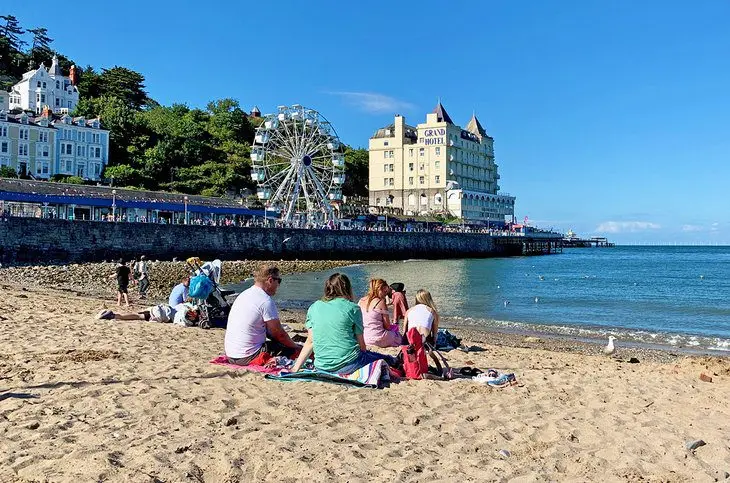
371	375
222	360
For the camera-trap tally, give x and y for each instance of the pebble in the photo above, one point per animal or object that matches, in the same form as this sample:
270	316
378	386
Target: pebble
705	378
694	444
92	279
34	425
531	339
412	420
231	421
504	453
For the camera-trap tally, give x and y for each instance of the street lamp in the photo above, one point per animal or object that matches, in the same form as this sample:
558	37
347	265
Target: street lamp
186	208
114	205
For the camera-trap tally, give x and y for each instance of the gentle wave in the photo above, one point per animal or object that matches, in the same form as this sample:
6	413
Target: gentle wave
594	333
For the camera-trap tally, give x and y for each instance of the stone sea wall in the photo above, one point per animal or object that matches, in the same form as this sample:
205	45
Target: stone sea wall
39	241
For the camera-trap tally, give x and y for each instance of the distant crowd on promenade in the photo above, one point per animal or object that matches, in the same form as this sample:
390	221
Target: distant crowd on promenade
258	222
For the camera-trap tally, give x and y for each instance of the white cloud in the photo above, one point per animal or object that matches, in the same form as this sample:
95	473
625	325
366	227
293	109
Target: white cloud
373	102
693	228
626	226
715	226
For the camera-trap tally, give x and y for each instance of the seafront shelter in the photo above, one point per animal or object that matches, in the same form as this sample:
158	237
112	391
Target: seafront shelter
101	203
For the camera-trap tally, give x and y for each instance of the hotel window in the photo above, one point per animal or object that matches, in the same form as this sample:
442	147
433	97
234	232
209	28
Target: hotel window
4	147
58	85
421	180
385	143
392	181
410	152
410	166
410	180
421	151
438	179
22	149
81	151
421	167
96	139
58	102
4	131
438	151
97	169
437	164
68	166
44	85
385	181
97	152
39	83
42	151
43	98
43	137
24	133
385	168
67	148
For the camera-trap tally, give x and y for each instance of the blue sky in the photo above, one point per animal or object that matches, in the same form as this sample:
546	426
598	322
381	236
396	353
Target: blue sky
609	117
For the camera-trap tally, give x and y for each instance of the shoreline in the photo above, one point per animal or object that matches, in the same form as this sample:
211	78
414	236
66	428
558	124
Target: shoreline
91	280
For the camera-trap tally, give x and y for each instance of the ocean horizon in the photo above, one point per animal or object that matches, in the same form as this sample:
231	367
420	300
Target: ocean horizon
675	296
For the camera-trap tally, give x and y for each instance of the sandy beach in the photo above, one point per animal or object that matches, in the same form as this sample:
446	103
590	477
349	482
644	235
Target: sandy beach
89	400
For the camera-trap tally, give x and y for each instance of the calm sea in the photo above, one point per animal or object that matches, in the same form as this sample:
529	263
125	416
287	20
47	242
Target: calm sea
677	296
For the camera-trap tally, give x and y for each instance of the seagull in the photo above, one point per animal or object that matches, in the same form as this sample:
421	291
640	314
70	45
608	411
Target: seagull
537	300
498	286
610	348
541	277
702	277
506	303
286	239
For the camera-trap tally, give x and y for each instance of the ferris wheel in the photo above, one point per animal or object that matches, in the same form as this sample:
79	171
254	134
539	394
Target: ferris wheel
298	164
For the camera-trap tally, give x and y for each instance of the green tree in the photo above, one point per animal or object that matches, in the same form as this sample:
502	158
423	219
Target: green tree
128	132
7	172
124	84
12	32
125	175
41	40
356	169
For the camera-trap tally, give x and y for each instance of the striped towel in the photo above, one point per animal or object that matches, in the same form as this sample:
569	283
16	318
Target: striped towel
371	375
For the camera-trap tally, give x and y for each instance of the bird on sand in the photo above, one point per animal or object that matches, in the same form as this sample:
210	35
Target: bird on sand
610	348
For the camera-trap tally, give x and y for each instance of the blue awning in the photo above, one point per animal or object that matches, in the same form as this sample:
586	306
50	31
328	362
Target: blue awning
120	203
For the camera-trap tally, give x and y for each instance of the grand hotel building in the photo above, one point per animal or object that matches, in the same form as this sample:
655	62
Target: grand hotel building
437	167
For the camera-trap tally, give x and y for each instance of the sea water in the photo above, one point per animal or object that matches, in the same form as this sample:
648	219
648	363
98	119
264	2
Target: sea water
676	296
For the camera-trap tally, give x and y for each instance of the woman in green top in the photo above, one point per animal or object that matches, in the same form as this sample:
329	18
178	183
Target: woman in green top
335	330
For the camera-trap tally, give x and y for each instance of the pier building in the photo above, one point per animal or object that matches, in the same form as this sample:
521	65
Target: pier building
437	167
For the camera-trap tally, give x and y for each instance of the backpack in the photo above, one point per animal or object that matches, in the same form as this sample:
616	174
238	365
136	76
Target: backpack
200	287
415	363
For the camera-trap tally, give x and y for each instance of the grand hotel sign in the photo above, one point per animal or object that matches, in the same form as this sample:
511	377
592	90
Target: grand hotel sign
433	136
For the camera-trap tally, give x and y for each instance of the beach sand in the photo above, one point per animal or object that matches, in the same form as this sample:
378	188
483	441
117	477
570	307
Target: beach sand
89	400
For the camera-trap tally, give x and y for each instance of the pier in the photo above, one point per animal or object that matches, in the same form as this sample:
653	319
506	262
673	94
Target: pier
592	242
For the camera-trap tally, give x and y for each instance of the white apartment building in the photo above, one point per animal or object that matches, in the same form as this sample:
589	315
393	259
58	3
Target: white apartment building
437	167
45	87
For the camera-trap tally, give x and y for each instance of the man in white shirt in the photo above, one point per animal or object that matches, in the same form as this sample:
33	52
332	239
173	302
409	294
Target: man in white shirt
253	317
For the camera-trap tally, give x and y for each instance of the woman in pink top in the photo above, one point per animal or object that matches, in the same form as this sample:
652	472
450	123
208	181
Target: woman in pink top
375	318
398	299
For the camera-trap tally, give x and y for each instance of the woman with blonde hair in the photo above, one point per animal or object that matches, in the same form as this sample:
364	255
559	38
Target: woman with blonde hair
375	317
423	316
335	331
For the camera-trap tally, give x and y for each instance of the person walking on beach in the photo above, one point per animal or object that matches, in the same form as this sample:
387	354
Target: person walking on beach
141	269
399	301
253	317
376	321
122	275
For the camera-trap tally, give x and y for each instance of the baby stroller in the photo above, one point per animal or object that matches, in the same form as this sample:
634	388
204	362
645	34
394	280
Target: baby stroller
204	287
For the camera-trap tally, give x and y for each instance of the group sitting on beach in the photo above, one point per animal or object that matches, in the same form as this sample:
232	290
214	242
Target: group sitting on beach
339	330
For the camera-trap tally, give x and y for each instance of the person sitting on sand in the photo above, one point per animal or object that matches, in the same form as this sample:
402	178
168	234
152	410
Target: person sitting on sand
376	320
423	316
335	331
399	301
185	315
179	293
253	317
